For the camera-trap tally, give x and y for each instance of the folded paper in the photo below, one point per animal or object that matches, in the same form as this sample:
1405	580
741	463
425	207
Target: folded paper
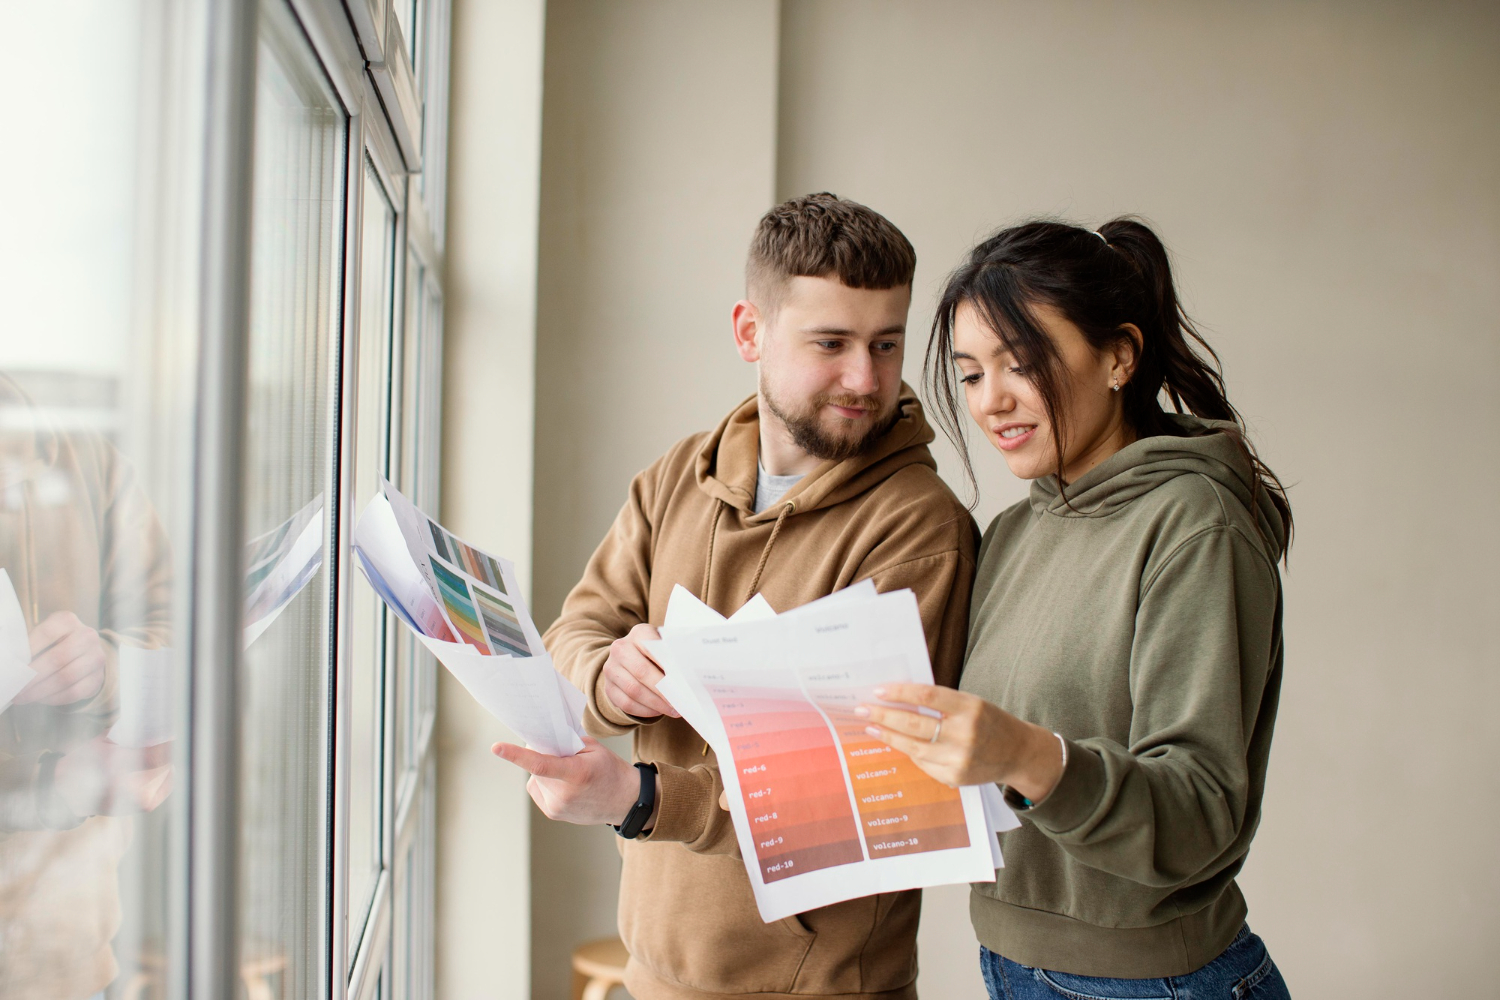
465	606
822	810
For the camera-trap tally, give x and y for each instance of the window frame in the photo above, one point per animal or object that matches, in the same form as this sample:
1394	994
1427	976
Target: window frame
381	129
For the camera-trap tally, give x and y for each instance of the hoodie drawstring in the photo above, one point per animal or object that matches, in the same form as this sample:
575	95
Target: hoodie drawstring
708	562
765	553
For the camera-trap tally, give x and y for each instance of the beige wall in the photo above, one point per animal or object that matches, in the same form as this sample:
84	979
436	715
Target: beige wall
658	156
483	817
1329	177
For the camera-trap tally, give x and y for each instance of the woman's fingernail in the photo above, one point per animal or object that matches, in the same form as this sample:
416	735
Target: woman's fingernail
871	731
862	712
880	692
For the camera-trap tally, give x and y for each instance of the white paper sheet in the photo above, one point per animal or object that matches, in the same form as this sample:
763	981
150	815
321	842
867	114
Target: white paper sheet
279	564
466	608
823	812
15	644
145	698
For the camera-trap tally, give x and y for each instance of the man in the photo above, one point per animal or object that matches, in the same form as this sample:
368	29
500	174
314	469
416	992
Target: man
90	567
821	479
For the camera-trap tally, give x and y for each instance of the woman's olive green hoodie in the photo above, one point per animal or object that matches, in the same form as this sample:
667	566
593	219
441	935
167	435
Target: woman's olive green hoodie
1139	617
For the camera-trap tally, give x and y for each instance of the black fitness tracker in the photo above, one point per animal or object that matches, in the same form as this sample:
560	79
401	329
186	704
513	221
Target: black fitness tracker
631	826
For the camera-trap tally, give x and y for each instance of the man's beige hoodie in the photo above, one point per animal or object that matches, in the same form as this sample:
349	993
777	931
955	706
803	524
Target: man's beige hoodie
78	534
686	909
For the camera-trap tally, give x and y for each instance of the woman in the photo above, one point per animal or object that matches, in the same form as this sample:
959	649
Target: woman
1124	655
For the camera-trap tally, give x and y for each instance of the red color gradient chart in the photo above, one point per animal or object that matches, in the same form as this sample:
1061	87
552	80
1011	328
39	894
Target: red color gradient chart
787	763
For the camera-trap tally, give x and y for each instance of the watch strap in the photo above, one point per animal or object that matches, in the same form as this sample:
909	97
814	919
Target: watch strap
645	803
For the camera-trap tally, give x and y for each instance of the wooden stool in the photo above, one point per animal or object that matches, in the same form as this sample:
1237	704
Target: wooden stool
598	967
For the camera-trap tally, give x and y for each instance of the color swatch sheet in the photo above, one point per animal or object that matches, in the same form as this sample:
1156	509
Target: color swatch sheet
15	644
823	811
279	564
466	607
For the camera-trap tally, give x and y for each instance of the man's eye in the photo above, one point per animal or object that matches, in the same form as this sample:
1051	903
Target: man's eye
886	347
829	345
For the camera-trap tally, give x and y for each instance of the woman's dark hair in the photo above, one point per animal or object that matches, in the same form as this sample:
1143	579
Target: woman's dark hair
1099	281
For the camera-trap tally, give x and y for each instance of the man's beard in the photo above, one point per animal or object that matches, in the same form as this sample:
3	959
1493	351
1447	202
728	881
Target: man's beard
808	433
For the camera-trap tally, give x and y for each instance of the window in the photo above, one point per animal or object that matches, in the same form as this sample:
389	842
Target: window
230	332
296	315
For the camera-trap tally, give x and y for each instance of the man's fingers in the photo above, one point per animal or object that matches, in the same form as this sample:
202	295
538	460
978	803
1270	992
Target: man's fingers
59	654
641	667
635	698
70	671
538	764
53	628
81	689
641	685
618	698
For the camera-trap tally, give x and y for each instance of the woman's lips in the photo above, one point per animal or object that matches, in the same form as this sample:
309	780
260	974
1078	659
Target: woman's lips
1004	443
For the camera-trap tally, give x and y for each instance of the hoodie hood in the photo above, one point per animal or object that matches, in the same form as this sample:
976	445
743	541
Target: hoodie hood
1206	448
27	445
725	465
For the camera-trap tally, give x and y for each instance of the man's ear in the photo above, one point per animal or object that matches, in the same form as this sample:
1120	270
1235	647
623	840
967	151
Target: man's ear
748	329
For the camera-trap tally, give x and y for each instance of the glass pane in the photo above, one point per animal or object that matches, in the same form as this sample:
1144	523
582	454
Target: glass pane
289	490
406	18
429	433
366	662
406	448
98	347
401	930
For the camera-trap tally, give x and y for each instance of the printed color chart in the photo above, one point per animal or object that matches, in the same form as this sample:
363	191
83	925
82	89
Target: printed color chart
790	778
902	809
455	594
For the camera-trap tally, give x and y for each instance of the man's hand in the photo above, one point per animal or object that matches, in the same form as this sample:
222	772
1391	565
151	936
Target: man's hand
68	658
101	778
592	786
630	676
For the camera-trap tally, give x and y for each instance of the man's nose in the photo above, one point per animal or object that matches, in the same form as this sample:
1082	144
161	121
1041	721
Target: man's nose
860	376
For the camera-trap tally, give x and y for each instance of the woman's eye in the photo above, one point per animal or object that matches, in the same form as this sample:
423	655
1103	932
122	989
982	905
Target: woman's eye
1020	370
971	378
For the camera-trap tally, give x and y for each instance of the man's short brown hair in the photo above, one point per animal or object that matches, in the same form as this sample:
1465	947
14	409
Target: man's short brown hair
822	236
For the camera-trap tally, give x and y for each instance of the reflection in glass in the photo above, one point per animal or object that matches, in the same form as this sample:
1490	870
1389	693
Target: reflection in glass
294	311
367	638
95	469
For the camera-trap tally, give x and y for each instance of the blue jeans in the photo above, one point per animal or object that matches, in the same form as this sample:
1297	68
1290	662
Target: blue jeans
1243	971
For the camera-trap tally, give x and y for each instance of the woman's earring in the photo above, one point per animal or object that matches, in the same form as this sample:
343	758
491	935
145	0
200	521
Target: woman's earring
1117	383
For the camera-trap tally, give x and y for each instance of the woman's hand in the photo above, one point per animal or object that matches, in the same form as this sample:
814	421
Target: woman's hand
973	743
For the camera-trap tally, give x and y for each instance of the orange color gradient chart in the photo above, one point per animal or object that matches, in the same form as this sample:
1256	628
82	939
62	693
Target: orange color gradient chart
902	809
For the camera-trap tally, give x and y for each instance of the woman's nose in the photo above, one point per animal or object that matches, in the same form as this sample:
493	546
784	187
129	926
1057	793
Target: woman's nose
996	398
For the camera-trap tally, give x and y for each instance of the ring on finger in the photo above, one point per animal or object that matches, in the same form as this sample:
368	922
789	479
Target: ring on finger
937	728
